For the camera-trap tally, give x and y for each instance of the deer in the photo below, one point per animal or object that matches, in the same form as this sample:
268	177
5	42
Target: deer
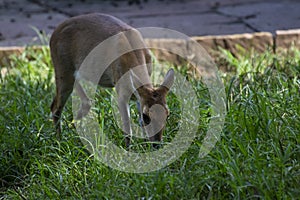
70	44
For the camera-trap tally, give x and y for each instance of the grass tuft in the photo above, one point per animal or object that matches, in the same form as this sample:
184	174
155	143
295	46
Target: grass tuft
257	156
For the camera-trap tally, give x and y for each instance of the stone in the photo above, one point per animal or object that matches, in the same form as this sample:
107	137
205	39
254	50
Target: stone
207	42
265	16
5	53
286	39
260	42
168	49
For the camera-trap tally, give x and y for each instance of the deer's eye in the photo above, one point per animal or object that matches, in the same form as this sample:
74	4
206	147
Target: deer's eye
155	95
146	119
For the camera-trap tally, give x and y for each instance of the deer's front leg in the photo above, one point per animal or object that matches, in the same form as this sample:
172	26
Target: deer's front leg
125	116
123	104
138	106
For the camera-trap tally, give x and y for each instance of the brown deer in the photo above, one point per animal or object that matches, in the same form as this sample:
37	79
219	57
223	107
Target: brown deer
70	44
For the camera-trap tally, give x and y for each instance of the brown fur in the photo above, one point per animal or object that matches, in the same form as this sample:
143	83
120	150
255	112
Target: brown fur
71	43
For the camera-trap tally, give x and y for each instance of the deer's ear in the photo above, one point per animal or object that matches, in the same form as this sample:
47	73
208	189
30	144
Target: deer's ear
169	79
148	56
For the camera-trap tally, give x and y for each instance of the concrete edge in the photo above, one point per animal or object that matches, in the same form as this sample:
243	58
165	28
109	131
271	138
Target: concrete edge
286	39
5	53
260	41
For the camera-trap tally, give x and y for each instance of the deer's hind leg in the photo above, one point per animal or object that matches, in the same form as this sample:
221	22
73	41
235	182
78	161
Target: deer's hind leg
63	91
85	101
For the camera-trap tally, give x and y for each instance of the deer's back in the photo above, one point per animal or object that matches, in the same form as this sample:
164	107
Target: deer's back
77	36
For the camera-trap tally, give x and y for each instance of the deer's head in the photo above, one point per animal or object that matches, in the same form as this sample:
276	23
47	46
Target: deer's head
154	109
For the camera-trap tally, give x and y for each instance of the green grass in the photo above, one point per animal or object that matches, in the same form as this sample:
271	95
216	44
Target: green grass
257	156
